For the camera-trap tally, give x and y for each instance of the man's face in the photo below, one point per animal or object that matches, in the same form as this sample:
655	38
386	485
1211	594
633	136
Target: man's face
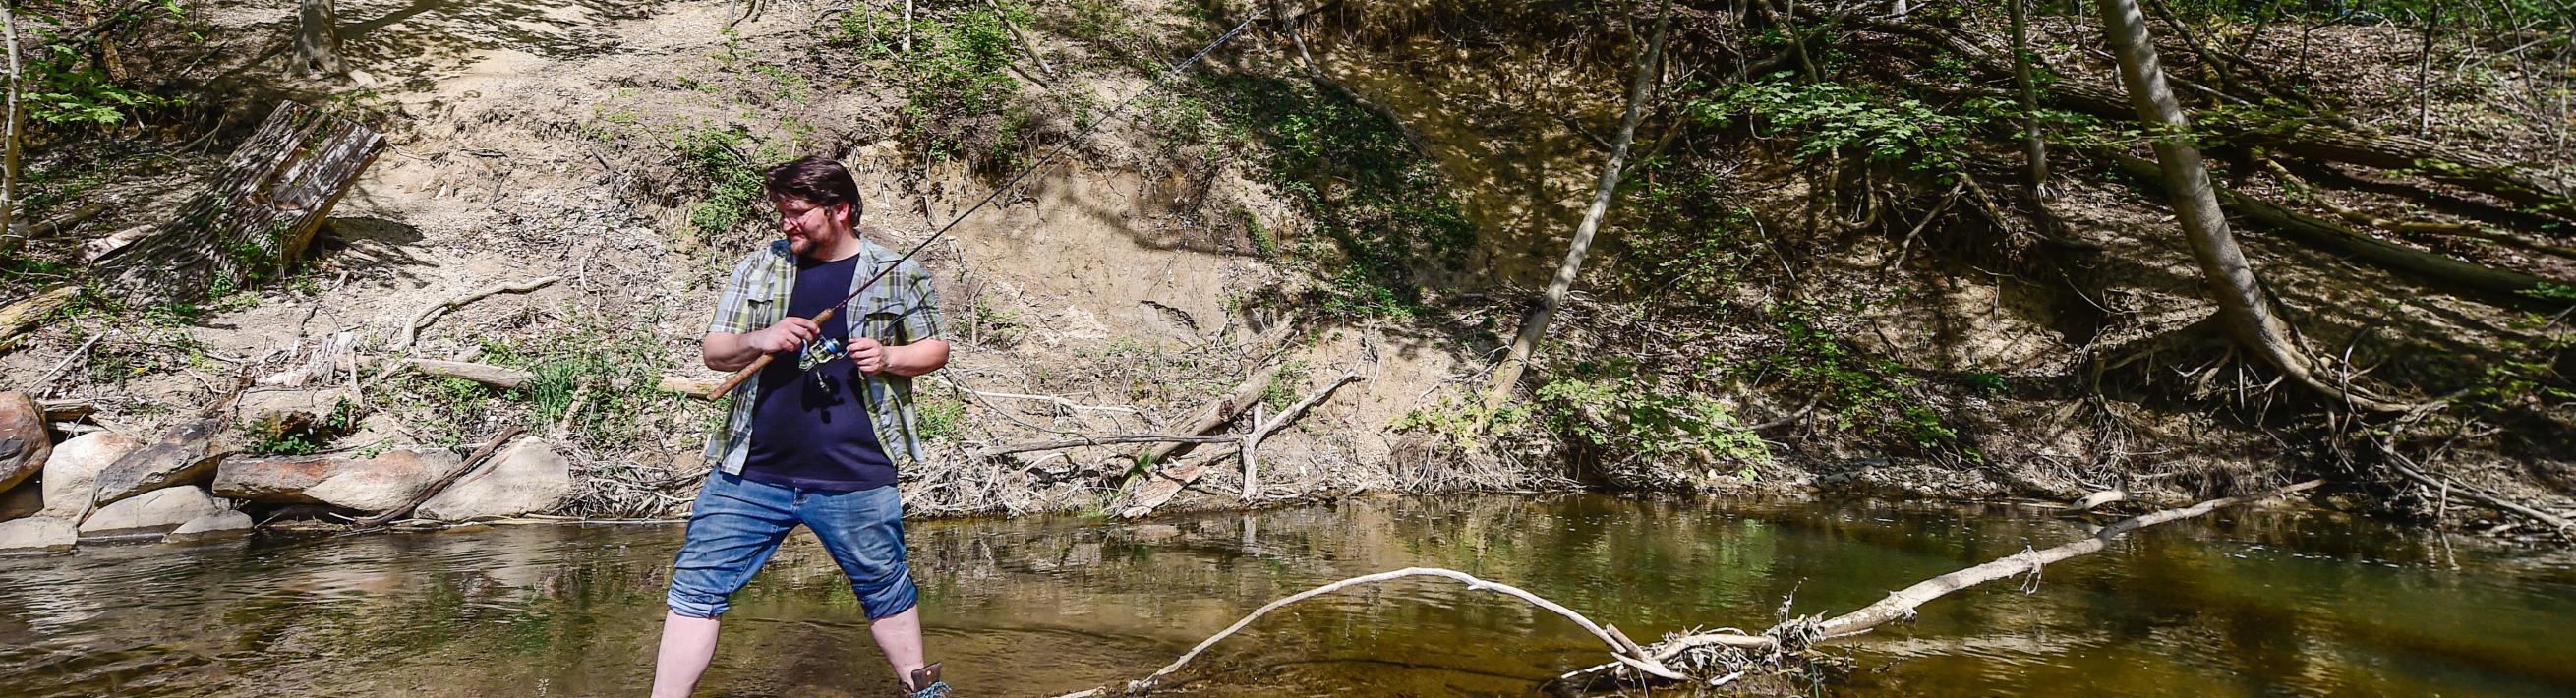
807	226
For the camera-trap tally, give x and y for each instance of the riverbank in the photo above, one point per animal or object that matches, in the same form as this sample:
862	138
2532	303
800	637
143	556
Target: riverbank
1251	240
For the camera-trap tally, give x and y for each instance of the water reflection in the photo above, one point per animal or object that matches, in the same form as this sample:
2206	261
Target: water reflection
2257	604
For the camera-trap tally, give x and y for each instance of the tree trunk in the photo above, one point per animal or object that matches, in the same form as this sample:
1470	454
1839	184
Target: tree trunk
2432	268
1534	327
2424	74
2243	307
254	216
11	124
2034	145
317	39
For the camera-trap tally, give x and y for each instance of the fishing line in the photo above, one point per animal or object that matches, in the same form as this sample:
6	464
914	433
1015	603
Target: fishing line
1177	68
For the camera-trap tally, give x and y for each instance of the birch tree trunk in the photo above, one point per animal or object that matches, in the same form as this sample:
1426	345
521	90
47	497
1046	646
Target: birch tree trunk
12	124
317	37
1534	327
2243	306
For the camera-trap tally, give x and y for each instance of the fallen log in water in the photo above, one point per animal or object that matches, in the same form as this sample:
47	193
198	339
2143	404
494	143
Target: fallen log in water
1798	633
1673	658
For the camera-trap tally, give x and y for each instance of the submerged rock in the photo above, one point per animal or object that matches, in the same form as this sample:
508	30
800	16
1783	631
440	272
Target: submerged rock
71	474
218	525
23	441
37	535
154	511
526	477
372	485
184	456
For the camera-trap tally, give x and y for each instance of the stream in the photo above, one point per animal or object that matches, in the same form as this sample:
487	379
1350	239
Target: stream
2242	603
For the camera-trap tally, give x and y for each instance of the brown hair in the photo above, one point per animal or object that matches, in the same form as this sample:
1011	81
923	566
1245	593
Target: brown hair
817	180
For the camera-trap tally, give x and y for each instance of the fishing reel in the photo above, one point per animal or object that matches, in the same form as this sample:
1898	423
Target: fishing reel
821	351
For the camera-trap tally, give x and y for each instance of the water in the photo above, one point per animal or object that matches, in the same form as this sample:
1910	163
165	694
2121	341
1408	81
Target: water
2251	603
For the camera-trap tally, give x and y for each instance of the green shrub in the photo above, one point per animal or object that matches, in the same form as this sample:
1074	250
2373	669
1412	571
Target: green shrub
1644	417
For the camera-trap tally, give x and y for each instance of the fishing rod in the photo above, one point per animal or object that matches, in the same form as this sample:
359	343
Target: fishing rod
739	377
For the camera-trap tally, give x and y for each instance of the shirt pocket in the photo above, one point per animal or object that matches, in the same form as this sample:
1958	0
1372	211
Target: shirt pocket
761	304
880	318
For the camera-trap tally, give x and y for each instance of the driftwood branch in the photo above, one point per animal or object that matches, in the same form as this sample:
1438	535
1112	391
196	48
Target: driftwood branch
25	314
472	463
1036	446
1618	649
411	330
1026	45
1901	604
2096	500
45	386
507	378
1059	401
1166	485
2409	468
1263	427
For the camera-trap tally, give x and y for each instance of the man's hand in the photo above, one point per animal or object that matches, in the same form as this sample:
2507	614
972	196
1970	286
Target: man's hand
874	358
790	334
868	355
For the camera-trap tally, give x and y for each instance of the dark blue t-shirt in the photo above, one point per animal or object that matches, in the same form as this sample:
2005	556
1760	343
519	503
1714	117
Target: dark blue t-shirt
811	428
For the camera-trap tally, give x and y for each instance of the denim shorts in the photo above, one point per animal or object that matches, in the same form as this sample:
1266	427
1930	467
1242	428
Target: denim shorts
737	523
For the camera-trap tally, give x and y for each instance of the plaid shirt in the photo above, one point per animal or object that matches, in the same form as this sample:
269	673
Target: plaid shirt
898	310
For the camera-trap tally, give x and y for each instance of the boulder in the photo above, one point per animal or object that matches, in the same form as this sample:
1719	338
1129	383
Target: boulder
218	525
37	535
154	511
526	477
183	456
27	499
71	474
372	485
23	441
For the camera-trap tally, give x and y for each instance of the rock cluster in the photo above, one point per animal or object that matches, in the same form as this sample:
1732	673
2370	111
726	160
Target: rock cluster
189	486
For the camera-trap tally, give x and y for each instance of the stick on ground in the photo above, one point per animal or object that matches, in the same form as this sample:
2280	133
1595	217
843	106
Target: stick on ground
411	330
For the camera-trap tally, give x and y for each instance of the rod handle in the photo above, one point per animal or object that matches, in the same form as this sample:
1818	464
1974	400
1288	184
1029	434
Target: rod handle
744	375
738	377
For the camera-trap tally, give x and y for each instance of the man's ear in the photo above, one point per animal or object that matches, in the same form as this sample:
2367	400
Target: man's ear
846	212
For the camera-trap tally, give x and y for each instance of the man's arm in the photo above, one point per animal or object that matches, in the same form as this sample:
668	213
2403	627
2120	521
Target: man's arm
908	360
733	352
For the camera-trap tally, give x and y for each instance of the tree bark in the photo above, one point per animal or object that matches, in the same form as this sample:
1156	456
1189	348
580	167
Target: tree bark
255	215
1534	327
317	37
12	123
2438	270
2243	306
2034	144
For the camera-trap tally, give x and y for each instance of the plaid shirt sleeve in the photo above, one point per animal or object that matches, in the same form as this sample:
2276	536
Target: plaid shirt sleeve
733	306
920	319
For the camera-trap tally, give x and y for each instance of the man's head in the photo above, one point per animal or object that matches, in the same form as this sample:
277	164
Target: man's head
817	201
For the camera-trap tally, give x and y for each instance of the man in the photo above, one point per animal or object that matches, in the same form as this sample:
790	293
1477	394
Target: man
817	437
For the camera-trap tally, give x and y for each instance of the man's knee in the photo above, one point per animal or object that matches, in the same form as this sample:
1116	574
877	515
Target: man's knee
886	594
696	603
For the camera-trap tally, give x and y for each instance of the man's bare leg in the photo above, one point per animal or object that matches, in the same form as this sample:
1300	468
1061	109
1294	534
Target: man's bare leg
688	644
899	636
